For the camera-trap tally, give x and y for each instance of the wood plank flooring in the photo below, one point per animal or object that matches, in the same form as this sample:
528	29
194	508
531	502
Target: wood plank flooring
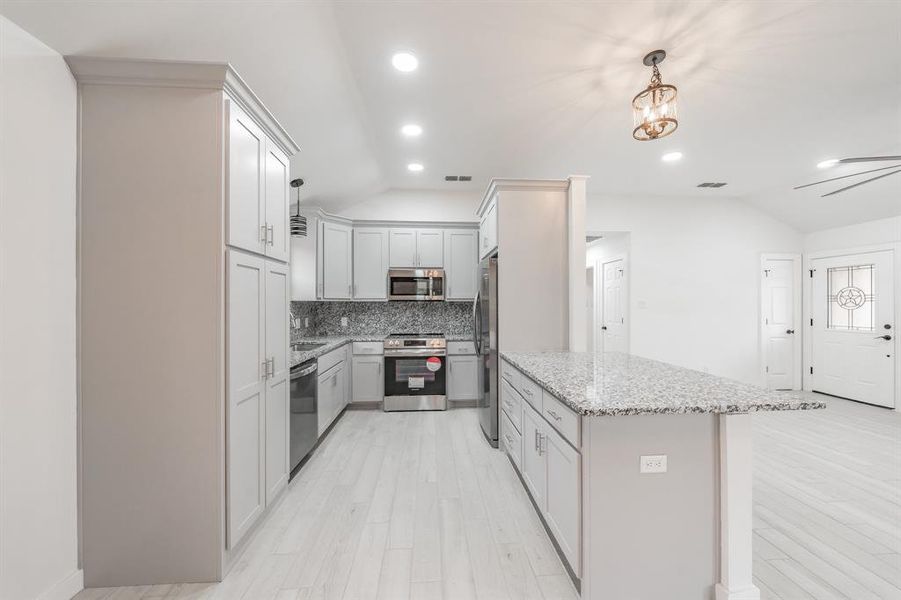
417	506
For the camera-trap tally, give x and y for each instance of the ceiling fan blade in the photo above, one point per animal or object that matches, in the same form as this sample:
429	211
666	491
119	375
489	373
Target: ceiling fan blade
861	183
844	177
868	159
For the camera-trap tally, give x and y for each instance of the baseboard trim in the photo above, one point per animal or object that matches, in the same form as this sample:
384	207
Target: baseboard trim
748	592
65	589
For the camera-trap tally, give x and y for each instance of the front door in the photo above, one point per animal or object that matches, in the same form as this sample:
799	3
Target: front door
613	323
779	324
853	335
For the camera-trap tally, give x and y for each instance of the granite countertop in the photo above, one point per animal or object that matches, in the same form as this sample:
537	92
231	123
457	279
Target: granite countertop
333	342
613	383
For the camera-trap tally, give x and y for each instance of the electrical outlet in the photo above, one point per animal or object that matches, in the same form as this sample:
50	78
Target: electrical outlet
343	321
655	463
306	321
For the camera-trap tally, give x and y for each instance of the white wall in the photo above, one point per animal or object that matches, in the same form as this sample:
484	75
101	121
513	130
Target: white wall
883	231
416	205
38	506
694	291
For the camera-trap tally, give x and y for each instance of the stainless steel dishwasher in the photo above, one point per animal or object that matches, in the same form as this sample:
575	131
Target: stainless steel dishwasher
304	411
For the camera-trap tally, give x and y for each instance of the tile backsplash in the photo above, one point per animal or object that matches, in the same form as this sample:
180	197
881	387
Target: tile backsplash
364	318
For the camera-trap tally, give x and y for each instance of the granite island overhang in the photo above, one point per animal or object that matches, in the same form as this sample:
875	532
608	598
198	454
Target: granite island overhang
641	470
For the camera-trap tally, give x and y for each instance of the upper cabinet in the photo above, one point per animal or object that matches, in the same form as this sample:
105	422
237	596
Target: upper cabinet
257	185
460	264
416	248
488	230
370	264
336	261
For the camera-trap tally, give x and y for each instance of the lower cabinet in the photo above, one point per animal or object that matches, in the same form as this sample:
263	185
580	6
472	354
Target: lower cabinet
463	377
368	378
332	386
552	472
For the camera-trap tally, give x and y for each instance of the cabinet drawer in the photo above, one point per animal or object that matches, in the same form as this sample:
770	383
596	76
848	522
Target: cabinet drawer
511	440
327	361
561	417
369	347
510	373
511	403
461	348
531	391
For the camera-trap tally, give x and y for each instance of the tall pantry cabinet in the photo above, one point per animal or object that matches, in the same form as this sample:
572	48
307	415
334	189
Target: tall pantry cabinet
183	289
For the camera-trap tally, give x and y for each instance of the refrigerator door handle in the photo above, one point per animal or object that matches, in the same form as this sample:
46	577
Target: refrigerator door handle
476	326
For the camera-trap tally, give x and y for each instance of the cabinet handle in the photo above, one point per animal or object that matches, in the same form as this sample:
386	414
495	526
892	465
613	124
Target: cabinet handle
264	369
272	367
542	447
553	414
536	441
263	234
270	235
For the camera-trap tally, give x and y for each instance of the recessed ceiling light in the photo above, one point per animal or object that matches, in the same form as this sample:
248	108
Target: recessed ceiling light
825	164
671	157
404	62
415	167
411	130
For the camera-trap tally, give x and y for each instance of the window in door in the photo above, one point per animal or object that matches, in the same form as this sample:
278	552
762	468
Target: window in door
851	297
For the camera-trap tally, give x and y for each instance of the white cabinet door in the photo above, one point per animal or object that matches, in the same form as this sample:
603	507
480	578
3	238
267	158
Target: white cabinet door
562	500
370	264
348	374
336	261
430	248
277	341
368	379
534	463
463	378
402	248
488	231
245	181
246	393
461	261
278	240
325	399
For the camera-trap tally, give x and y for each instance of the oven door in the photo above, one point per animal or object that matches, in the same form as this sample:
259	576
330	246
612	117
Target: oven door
415	379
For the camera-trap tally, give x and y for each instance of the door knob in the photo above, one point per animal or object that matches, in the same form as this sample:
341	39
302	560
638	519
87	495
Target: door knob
604	327
789	331
883	337
886	326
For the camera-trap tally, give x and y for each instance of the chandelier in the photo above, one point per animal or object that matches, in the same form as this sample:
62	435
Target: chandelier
654	108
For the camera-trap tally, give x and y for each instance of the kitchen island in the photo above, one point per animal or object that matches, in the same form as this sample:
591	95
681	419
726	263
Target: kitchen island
640	470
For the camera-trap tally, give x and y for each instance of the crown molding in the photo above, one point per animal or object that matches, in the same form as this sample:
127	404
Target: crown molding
95	70
519	185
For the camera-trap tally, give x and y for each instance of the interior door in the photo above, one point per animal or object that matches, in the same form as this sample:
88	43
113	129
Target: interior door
853	335
780	339
246	392
246	208
278	239
277	386
613	325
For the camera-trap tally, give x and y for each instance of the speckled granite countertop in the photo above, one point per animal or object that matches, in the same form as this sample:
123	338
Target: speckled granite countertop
335	342
612	383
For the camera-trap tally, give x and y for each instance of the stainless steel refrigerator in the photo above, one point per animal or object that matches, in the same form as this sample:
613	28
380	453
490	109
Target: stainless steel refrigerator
484	316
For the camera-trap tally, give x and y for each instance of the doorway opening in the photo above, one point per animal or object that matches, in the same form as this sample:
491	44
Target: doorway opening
607	278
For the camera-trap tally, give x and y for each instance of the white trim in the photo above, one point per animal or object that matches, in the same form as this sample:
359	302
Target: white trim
808	258
95	70
797	317
575	216
66	588
333	218
499	184
736	507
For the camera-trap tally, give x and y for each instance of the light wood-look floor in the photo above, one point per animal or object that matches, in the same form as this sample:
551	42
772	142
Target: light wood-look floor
416	505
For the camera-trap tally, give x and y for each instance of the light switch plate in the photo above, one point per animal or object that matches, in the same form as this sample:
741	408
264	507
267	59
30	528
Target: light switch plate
654	463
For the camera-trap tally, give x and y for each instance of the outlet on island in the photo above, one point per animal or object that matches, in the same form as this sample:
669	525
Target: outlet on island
655	463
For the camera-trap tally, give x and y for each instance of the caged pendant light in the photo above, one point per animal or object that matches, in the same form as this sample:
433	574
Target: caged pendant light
654	108
298	221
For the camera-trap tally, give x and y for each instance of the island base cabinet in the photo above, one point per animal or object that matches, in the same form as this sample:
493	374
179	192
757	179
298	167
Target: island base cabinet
562	504
534	464
511	440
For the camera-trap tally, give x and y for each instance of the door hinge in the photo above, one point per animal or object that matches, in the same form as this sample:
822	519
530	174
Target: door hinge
811	322
811	272
767	369
811	370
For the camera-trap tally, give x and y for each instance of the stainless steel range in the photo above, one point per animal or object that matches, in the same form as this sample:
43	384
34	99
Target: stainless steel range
415	371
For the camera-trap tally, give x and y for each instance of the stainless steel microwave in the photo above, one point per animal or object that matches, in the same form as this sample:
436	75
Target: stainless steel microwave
416	284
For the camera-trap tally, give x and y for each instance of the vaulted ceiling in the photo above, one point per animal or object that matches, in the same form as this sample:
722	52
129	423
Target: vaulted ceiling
542	89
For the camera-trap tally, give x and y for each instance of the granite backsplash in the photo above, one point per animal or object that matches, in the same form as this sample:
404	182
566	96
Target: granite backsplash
364	318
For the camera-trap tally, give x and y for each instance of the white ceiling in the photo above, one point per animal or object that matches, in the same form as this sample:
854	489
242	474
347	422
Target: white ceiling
542	89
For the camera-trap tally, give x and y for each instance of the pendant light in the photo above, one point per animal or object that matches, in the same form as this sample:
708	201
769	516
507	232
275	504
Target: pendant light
654	108
298	222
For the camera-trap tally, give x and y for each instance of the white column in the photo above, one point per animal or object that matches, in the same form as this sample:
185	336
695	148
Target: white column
735	510
575	211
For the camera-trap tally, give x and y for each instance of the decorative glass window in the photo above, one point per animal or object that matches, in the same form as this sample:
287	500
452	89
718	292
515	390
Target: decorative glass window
851	297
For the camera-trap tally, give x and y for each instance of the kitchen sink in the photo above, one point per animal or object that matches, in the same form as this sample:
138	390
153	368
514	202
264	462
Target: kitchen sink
306	346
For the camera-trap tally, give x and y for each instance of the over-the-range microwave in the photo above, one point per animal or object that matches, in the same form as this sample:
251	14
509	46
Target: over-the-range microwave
416	284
